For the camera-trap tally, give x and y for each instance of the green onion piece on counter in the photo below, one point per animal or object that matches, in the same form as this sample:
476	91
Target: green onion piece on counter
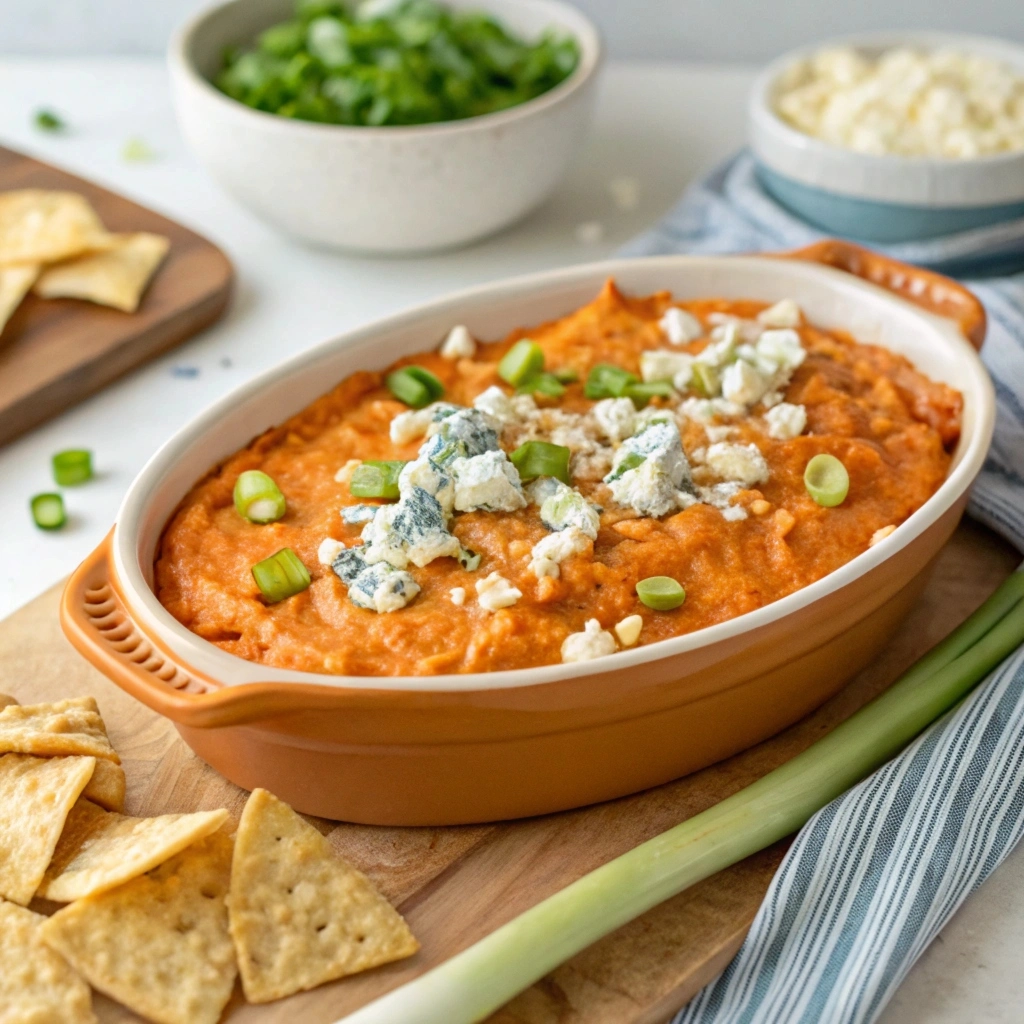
826	480
476	982
48	511
525	359
281	575
567	375
541	458
72	467
415	386
643	391
376	479
608	381
470	560
48	121
258	498
542	384
662	593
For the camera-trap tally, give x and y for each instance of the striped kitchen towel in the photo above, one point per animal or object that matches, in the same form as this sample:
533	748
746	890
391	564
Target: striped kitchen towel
872	878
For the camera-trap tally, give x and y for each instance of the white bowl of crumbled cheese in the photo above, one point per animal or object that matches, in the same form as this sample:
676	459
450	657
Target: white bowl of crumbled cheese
894	137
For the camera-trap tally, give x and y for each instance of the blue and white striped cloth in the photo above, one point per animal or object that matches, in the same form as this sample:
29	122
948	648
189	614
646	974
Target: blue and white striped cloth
873	877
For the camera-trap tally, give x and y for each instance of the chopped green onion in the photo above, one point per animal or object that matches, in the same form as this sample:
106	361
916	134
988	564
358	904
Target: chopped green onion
477	981
470	560
662	593
567	375
415	386
376	479
643	391
608	381
525	359
542	384
48	121
258	498
826	480
281	575
72	467
705	380
541	458
48	511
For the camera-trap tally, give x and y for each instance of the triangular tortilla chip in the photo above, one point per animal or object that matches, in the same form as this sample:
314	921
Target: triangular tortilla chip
99	850
160	943
37	985
15	282
36	795
106	787
116	276
41	226
62	728
301	916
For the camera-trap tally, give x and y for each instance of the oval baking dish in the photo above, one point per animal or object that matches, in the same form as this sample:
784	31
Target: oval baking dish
469	748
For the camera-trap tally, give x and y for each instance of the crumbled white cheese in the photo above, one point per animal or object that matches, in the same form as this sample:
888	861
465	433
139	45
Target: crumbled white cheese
345	473
781	347
488	481
742	463
412	530
426	474
458	595
650	470
616	418
680	326
356	515
715	434
593	642
786	421
879	535
494	592
416	423
329	550
564	507
743	383
628	630
504	409
380	588
785	313
555	548
663	364
734	513
720	495
459	344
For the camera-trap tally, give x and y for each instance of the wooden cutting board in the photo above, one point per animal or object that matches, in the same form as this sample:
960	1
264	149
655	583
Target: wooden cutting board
455	885
55	352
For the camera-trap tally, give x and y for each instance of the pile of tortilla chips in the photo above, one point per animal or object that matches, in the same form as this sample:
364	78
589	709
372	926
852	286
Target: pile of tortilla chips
53	243
162	913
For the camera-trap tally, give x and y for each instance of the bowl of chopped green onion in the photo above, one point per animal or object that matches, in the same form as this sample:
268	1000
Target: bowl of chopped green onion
386	126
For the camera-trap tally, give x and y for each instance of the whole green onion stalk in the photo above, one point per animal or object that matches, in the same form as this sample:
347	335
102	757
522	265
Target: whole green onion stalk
476	982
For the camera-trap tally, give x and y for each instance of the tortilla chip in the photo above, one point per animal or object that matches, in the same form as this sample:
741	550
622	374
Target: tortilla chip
116	277
301	916
40	226
160	943
49	730
37	985
99	850
15	282
36	795
106	787
6	700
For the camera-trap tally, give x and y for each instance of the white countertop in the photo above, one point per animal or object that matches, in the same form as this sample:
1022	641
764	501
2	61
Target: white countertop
660	124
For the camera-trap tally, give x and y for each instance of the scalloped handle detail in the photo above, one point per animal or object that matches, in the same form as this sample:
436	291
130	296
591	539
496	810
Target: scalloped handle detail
933	292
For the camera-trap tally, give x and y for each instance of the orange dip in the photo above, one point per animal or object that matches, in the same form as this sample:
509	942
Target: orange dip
890	426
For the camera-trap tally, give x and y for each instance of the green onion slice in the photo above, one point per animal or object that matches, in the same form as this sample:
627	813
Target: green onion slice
258	498
542	384
281	575
662	593
826	480
643	391
705	380
48	121
415	386
608	381
541	458
72	467
48	511
376	479
566	375
525	359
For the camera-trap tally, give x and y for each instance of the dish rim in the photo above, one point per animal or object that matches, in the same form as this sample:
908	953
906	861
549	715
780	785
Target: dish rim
141	599
587	35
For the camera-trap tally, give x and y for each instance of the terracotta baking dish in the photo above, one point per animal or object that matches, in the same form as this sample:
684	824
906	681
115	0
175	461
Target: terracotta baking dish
452	749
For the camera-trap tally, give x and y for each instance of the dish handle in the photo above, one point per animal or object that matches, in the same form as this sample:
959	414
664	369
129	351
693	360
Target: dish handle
933	292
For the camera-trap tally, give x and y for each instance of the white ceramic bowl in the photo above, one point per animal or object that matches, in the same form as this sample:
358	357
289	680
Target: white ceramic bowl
883	198
391	189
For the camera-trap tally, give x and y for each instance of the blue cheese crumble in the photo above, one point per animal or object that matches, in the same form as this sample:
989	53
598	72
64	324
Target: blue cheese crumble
380	588
413	530
488	481
651	474
550	551
356	515
562	507
347	563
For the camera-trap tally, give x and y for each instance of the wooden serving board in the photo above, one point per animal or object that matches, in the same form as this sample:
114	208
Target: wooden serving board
455	885
55	352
